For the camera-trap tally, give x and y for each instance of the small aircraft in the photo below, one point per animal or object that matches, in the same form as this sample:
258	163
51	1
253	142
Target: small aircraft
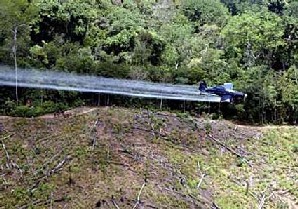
225	91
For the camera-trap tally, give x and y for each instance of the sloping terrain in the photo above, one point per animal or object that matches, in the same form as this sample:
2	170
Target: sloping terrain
128	158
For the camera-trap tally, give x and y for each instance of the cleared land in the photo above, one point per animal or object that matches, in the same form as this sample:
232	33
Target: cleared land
128	158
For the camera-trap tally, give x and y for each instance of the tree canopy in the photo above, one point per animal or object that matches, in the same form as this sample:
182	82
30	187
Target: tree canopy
253	43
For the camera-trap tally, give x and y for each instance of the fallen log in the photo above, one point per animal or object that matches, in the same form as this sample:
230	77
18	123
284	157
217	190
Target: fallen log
229	149
225	146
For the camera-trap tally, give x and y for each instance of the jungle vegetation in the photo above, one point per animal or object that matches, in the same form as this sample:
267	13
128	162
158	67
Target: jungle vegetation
252	43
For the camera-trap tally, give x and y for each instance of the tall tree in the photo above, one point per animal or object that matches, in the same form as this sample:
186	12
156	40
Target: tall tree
292	9
205	11
253	38
16	18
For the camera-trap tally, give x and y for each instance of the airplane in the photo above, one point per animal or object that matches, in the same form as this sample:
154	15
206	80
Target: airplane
225	91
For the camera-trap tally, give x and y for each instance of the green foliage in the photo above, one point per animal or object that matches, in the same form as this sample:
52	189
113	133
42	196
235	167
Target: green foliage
205	11
290	93
70	18
22	111
253	37
252	43
237	7
36	109
16	20
208	127
295	148
16	13
292	9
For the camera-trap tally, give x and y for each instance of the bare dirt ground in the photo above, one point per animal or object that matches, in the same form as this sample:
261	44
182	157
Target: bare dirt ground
73	112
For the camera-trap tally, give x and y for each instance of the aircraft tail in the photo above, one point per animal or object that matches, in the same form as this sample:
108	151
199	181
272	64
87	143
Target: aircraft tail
202	86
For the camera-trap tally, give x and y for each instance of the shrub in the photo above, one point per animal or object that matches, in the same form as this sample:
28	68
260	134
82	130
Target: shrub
49	106
22	111
295	148
34	111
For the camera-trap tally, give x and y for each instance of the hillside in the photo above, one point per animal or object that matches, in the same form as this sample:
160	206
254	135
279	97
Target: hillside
129	158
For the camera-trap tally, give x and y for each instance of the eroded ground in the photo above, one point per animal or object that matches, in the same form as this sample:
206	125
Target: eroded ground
127	158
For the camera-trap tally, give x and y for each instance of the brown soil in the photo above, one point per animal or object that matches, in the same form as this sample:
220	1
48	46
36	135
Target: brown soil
106	155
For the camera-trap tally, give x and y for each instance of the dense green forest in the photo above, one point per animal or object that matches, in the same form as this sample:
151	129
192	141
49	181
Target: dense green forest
252	43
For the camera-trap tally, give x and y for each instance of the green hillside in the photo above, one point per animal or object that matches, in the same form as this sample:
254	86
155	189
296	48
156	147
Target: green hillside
135	158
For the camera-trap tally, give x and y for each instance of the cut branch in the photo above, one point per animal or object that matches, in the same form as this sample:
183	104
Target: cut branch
93	129
228	148
49	162
15	165
7	155
138	198
51	172
225	146
264	198
58	166
247	189
10	163
201	174
35	203
114	203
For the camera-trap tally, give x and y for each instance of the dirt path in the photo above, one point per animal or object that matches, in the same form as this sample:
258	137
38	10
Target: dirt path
70	113
87	109
73	112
